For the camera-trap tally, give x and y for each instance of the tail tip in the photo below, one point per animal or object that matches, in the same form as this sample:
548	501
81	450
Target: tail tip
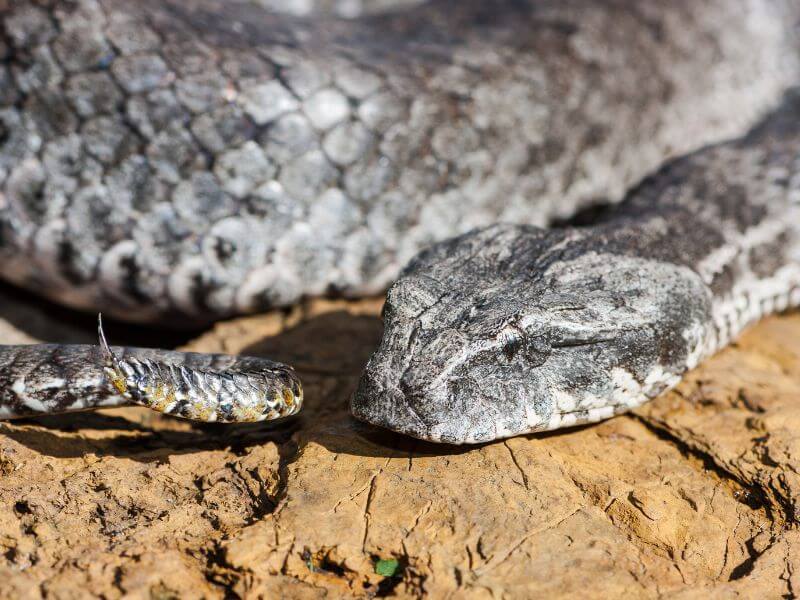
104	347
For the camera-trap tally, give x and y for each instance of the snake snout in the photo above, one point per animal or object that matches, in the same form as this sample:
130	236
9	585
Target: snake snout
455	389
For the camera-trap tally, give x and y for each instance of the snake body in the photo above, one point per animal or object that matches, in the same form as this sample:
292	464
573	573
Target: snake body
516	329
188	161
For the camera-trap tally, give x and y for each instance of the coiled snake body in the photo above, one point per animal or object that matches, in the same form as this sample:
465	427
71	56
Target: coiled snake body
166	160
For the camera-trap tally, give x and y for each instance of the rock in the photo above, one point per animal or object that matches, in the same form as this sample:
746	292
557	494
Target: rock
694	495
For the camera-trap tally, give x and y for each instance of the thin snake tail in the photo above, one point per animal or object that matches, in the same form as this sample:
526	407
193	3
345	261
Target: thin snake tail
111	361
44	379
185	385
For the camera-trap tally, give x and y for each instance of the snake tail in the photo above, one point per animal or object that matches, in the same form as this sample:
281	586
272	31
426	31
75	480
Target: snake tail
41	379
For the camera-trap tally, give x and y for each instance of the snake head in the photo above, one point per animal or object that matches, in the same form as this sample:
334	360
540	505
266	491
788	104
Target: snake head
512	329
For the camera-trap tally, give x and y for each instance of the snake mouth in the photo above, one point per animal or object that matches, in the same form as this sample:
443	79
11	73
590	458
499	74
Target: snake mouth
436	412
388	411
393	411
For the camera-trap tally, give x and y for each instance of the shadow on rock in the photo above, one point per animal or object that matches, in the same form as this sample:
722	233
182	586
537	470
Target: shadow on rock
140	443
49	322
336	344
348	436
329	352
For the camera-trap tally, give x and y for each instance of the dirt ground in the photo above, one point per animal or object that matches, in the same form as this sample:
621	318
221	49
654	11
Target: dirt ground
693	496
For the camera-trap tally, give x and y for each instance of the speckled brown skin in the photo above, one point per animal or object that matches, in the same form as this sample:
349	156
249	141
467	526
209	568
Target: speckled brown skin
160	162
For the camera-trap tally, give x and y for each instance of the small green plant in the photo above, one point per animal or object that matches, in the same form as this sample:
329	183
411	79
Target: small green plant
387	567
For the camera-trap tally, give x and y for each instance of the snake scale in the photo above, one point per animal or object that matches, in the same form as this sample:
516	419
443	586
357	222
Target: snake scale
185	161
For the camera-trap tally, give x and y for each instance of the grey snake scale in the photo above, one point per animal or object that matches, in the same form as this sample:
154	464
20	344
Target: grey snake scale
167	161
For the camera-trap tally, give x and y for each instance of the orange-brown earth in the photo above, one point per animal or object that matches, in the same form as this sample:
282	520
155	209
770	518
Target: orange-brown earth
694	495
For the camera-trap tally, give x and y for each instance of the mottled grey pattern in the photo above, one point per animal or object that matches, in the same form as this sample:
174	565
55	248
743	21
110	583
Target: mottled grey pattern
348	9
514	329
42	379
193	159
201	158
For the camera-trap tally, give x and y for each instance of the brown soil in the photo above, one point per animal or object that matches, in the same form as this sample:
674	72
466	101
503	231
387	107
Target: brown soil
695	495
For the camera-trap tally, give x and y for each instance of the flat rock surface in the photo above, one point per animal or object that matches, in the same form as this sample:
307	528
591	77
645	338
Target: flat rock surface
693	496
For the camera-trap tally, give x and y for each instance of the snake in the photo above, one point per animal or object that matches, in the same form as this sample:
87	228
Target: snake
182	162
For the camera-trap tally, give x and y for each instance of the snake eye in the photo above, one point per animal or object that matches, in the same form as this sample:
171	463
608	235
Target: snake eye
511	341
